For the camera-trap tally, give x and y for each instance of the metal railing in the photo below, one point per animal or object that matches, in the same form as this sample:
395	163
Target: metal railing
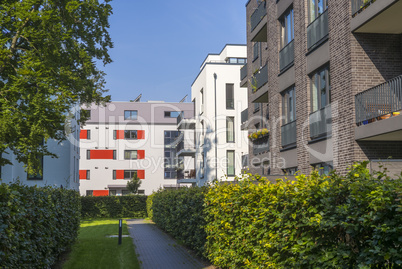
288	134
357	5
258	15
286	55
317	30
244	116
261	77
320	122
261	145
243	72
379	101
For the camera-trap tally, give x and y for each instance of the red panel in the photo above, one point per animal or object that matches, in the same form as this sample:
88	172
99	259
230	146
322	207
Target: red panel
83	174
83	134
119	134
140	134
101	154
119	174
140	154
141	174
101	193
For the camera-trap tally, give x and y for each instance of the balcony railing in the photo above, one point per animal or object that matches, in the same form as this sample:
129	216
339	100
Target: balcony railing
244	115
317	30
261	145
258	15
288	134
320	122
260	78
286	55
243	72
186	174
379	102
357	5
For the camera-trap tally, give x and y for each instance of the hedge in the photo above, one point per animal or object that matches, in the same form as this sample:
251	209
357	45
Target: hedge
131	206
353	221
180	213
36	224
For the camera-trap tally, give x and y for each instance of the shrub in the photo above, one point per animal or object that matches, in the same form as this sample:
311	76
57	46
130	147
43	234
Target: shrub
315	222
180	213
131	206
36	224
150	212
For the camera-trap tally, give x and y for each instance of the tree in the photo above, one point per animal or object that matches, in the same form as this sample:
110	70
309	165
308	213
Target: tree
134	184
48	54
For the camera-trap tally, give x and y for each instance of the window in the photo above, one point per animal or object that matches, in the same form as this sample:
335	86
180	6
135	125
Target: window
290	171
141	192
202	101
229	96
38	176
287	27
256	107
288	106
237	60
172	114
256	50
88	134
130	134
230	155
320	89
129	174
88	175
125	192
130	155
316	8
89	192
112	192
170	159
130	114
323	168
230	129
88	154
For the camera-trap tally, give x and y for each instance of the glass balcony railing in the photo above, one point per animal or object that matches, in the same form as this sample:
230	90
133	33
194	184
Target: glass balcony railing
288	134
258	15
317	30
243	72
320	122
260	78
286	55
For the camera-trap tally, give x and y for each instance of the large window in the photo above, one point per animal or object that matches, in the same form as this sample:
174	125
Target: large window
324	168
230	130
230	155
316	8
287	27
320	89
288	105
130	134
130	114
229	96
128	174
130	155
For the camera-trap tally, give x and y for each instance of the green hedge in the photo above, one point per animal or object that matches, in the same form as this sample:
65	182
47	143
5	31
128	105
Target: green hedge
36	224
131	206
180	213
316	222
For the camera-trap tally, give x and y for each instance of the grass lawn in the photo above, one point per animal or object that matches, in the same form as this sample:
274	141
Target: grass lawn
94	249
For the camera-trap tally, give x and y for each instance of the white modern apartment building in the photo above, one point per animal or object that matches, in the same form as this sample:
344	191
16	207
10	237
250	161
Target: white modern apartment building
218	101
56	172
121	139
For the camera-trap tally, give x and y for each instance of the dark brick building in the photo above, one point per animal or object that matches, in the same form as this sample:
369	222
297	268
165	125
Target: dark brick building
324	77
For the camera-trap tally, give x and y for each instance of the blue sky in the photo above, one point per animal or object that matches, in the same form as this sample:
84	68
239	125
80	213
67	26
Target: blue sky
160	45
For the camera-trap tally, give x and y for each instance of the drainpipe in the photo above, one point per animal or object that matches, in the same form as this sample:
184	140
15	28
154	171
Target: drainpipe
216	131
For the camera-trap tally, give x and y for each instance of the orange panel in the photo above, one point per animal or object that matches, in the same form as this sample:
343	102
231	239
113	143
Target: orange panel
83	174
140	154
119	174
141	174
119	134
140	134
100	193
83	134
101	154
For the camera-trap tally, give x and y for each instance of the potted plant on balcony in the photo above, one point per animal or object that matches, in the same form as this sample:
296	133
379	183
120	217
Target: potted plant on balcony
258	134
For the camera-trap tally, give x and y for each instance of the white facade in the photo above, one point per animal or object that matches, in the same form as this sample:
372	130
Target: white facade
57	172
214	146
105	153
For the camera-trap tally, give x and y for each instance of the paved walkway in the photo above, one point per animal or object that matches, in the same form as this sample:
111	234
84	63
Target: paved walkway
157	250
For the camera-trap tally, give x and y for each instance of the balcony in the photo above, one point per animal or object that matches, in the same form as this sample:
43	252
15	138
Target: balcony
376	16
258	81
378	112
185	123
244	119
321	123
286	56
317	31
288	134
261	145
186	174
243	76
258	23
183	149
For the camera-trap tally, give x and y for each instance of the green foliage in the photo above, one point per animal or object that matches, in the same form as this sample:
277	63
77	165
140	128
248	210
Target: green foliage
134	184
150	211
131	206
315	222
36	224
180	213
48	56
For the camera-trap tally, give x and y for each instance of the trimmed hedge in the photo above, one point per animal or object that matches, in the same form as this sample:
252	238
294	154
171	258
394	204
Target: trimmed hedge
36	224
180	213
315	222
131	206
